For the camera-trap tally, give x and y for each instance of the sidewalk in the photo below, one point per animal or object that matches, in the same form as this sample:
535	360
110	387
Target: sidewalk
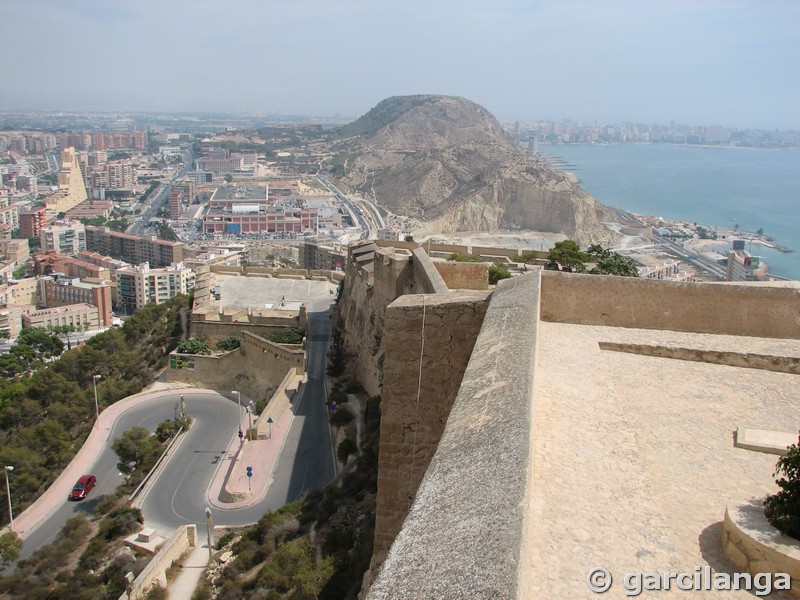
229	487
192	569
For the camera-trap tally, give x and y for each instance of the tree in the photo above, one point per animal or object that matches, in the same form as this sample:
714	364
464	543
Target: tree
346	447
611	263
568	255
783	509
228	178
10	547
409	238
137	450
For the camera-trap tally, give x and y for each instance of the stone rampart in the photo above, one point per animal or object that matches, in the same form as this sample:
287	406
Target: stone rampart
429	339
463	533
256	368
754	310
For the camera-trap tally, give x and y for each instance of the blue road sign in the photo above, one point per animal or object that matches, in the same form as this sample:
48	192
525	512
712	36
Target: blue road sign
269	420
249	471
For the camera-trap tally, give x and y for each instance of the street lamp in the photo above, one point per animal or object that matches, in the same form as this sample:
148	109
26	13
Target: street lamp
96	405
8	495
239	401
210	529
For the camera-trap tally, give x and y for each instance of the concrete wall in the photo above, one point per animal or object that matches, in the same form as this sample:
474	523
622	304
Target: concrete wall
462	536
754	310
754	546
214	325
155	572
434	333
256	368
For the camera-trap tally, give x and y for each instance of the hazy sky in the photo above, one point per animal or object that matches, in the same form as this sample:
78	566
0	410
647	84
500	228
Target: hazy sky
699	62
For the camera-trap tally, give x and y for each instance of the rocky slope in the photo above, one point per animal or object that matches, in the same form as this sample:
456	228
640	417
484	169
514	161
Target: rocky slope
447	161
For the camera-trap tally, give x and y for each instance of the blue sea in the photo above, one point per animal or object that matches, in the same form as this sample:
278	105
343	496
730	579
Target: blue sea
754	188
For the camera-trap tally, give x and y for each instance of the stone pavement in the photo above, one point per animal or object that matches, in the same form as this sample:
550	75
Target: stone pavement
633	459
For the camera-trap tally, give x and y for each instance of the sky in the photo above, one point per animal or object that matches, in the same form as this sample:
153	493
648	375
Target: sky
733	63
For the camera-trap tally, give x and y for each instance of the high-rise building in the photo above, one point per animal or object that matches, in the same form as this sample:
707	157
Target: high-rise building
72	189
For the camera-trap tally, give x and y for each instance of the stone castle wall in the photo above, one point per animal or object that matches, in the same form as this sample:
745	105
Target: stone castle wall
428	343
256	368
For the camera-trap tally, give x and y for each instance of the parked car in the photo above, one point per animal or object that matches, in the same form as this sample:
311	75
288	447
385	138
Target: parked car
82	487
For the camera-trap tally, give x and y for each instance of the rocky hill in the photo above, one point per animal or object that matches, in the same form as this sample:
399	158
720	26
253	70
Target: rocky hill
447	161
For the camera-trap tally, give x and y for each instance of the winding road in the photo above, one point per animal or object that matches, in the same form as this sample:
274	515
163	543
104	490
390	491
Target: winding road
179	495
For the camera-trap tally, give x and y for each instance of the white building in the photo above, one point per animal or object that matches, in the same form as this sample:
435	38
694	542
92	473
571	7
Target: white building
64	238
139	286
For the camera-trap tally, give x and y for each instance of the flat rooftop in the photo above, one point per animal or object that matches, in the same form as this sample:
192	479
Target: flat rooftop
632	458
267	292
240	192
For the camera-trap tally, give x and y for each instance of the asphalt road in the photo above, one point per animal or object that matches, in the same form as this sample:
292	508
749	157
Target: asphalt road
179	494
306	460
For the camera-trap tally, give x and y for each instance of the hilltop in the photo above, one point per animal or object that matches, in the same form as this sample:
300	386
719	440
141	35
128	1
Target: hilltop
448	162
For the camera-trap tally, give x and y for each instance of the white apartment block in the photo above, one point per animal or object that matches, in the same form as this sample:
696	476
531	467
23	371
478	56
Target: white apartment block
139	286
65	238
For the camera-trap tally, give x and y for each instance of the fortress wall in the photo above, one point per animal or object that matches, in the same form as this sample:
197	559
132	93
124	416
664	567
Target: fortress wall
463	533
411	428
426	278
256	369
727	309
463	276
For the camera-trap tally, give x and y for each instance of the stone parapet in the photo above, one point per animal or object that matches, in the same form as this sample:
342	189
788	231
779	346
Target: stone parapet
752	310
155	572
463	533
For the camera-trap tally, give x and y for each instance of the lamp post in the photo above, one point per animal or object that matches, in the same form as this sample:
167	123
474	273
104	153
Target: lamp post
239	402
96	405
249	419
210	529
8	495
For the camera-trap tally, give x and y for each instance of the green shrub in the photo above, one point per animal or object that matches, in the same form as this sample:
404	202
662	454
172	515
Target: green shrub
346	447
496	273
341	418
783	509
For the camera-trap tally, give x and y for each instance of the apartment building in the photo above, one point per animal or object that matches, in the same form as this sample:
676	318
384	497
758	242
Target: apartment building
135	249
139	286
60	290
32	220
64	238
80	316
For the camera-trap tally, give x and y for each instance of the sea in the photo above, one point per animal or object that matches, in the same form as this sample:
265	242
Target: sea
713	186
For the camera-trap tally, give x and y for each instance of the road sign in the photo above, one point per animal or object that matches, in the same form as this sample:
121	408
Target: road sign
249	471
270	421
241	434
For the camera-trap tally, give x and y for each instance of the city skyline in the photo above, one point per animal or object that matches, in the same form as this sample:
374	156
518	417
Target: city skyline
706	62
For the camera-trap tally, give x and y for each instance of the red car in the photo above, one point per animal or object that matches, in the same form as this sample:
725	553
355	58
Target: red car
82	488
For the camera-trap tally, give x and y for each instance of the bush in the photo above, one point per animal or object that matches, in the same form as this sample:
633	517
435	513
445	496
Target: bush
341	418
496	273
783	509
346	447
229	343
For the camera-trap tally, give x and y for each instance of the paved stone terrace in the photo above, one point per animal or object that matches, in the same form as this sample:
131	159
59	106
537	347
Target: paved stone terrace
633	459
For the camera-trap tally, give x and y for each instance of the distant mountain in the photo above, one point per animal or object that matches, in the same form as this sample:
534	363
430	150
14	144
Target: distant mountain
447	161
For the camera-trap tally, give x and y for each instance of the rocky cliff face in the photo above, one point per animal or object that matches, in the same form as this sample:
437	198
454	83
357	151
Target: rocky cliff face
447	161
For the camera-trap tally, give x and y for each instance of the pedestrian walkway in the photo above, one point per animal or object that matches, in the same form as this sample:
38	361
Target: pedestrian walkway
231	488
192	569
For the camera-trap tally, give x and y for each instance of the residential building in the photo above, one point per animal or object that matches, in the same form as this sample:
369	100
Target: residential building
139	286
79	316
72	190
314	256
59	290
64	238
32	220
135	249
11	319
14	251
